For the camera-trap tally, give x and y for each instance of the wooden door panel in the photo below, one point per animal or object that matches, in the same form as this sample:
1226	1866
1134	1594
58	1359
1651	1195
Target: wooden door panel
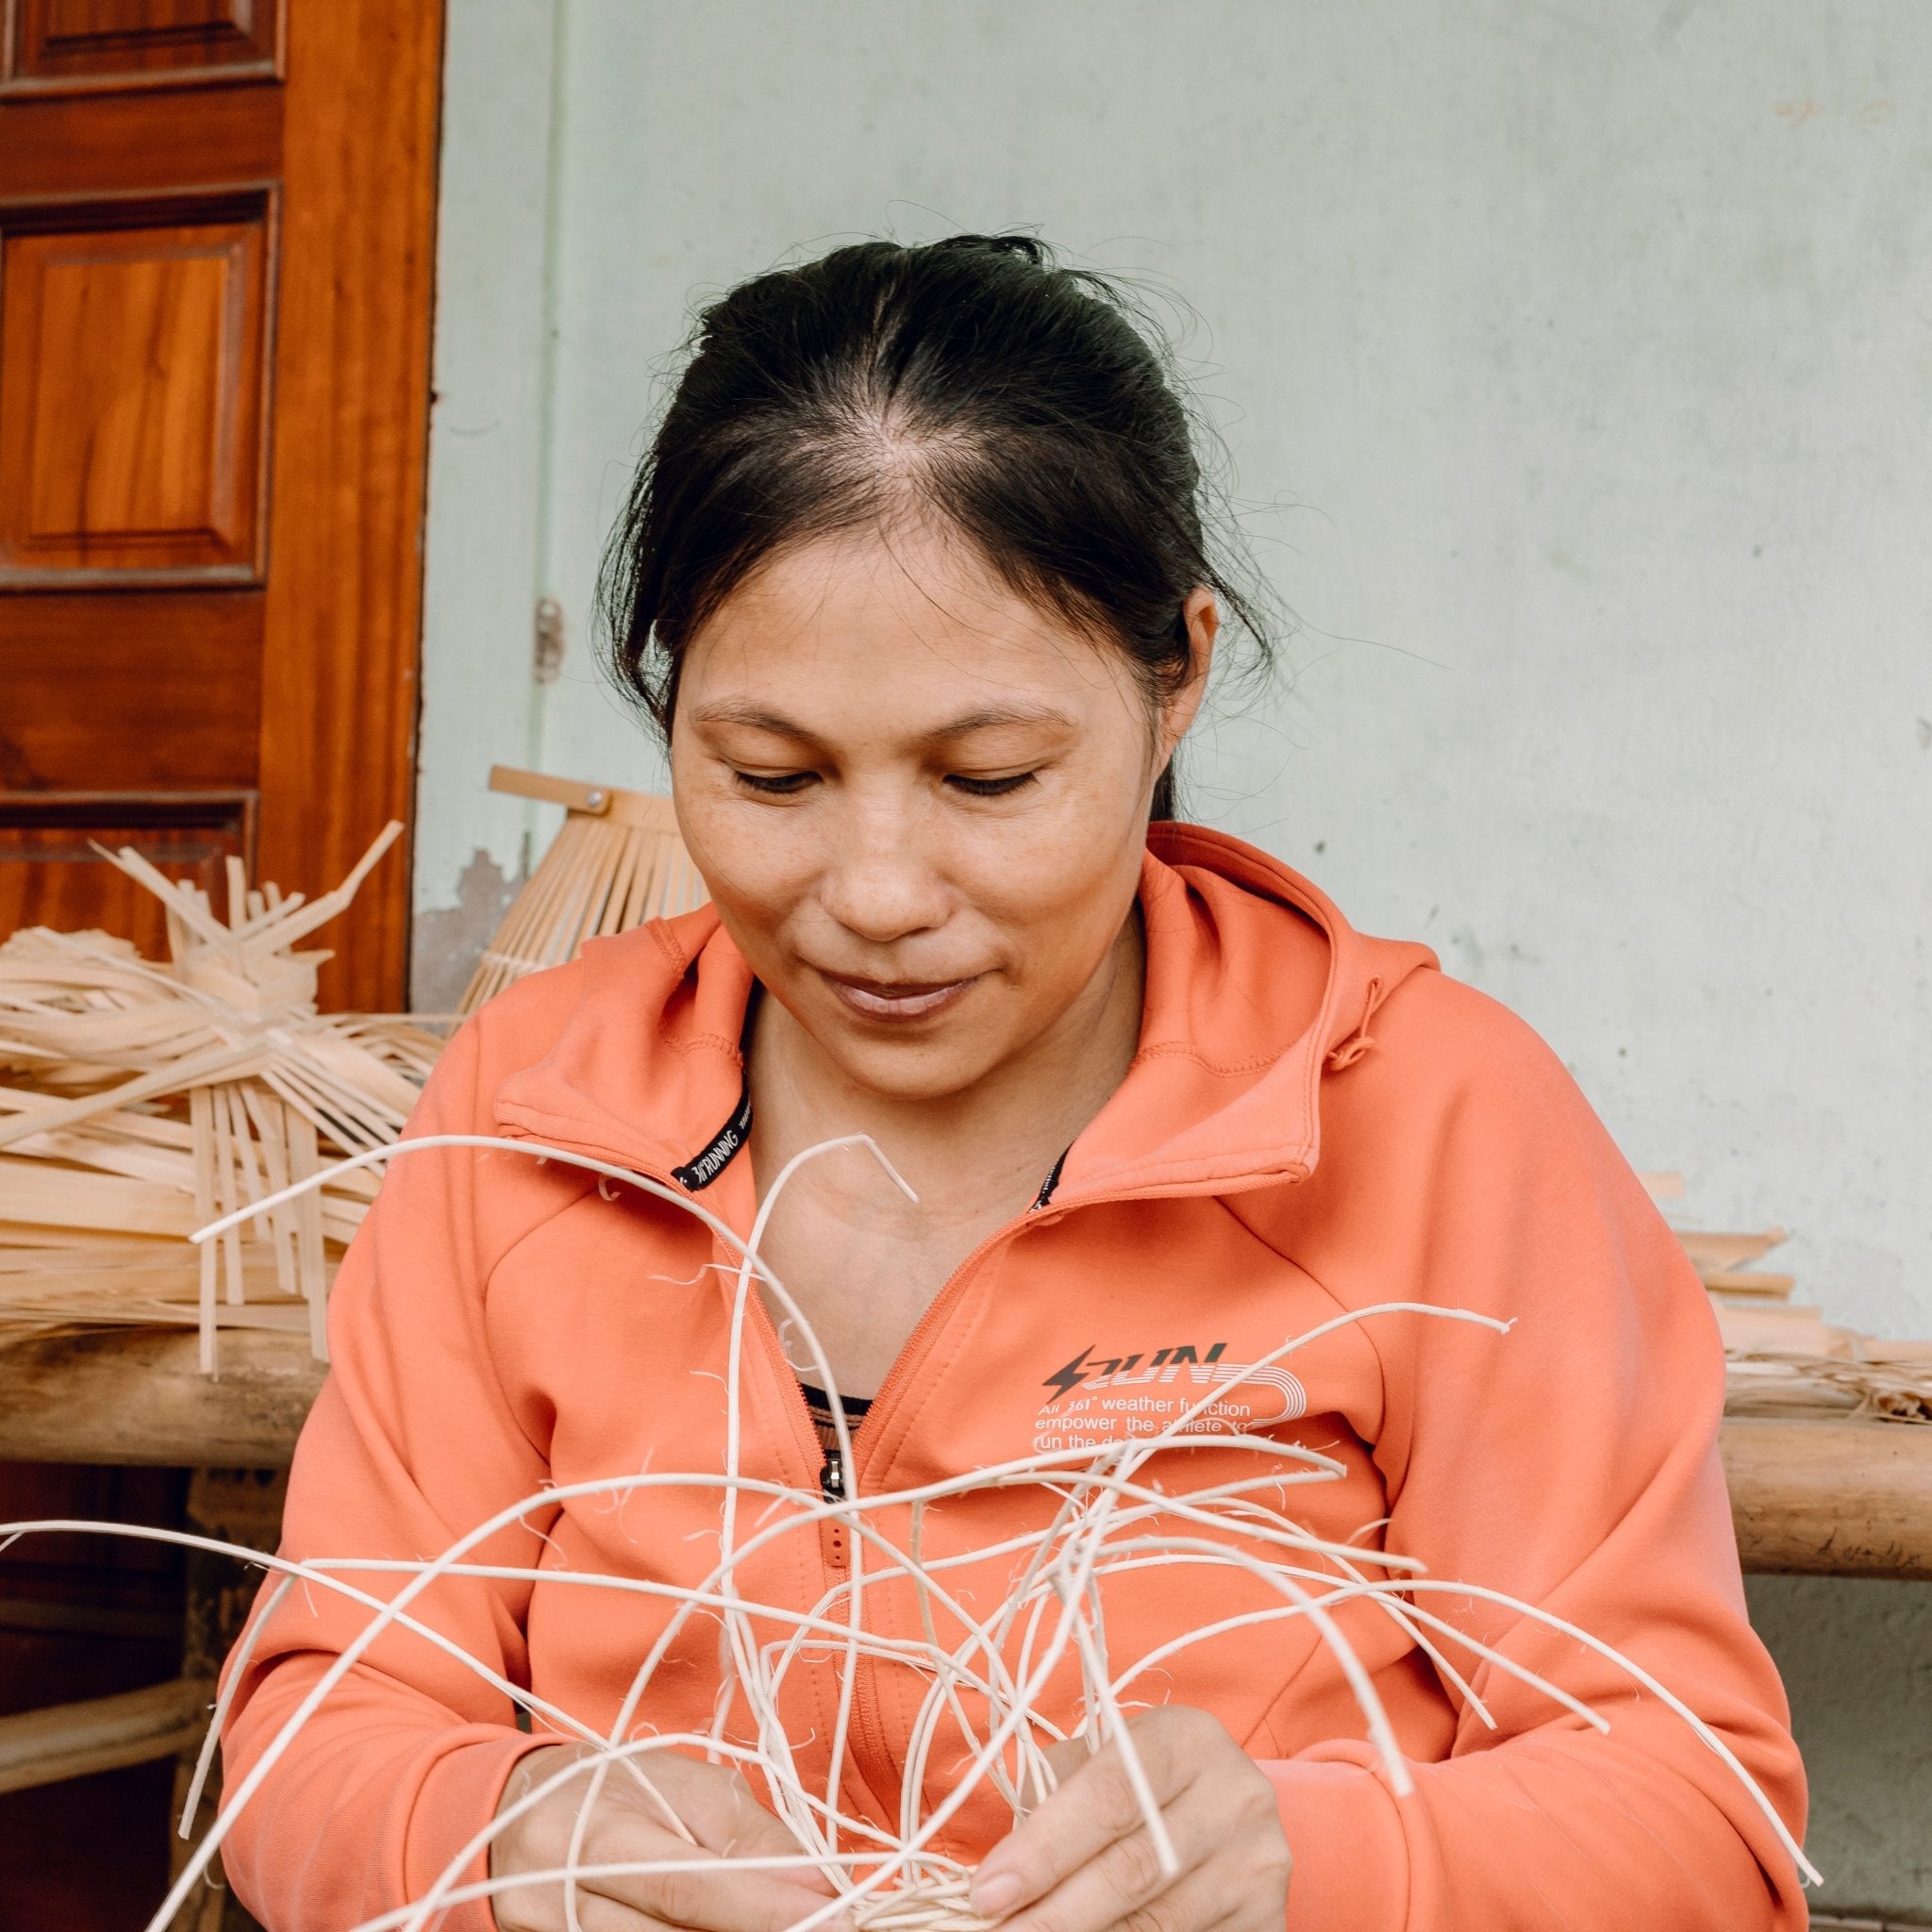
147	688
108	143
348	275
130	397
104	43
51	874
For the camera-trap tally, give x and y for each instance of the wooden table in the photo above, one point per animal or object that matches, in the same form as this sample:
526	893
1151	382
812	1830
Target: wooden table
1831	1498
124	1395
1819	1498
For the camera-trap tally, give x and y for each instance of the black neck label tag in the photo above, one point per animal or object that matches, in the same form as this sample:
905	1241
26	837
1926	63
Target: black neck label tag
703	1169
1051	1182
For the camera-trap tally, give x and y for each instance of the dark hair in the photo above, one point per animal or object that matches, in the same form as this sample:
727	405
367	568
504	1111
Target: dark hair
1027	404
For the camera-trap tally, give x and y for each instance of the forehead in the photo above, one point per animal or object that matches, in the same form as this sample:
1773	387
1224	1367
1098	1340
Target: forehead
913	621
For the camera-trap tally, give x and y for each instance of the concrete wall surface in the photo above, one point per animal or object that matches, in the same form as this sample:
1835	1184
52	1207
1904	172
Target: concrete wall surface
1575	364
1857	1657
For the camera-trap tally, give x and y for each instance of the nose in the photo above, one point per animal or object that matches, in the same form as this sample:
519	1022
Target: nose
880	883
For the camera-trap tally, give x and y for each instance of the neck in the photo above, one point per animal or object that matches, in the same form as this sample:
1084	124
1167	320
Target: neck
995	1138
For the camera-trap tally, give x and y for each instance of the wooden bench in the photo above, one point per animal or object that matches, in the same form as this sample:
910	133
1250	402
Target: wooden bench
1812	1498
1816	1498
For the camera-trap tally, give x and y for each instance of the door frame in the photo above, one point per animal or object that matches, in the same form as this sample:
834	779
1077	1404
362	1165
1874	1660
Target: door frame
350	311
342	667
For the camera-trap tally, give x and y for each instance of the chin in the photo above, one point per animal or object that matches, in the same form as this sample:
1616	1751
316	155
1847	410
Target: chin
910	1069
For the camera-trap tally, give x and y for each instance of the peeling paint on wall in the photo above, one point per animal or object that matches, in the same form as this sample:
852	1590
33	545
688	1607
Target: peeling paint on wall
446	942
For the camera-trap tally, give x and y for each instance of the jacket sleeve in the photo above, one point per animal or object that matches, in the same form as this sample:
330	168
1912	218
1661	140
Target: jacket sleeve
1572	1465
411	1443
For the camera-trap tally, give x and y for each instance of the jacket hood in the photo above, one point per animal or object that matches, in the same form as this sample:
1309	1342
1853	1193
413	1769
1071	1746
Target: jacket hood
1256	987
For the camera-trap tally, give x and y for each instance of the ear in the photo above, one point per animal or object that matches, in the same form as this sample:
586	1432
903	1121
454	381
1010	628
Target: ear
1202	616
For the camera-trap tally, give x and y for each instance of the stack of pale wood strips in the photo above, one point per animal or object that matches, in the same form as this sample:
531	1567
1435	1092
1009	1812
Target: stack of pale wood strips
1782	1360
140	1100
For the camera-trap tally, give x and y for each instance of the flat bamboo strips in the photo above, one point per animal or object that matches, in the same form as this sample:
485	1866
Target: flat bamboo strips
1879	1381
1781	1360
139	1099
616	861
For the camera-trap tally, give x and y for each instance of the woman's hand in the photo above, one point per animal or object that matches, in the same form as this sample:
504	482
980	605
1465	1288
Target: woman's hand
1083	1862
627	1827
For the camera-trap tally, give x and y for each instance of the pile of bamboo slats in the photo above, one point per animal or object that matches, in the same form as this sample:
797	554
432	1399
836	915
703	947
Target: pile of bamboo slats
141	1099
1783	1359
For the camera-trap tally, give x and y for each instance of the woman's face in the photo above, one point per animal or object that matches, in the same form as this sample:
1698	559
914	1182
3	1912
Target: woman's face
918	801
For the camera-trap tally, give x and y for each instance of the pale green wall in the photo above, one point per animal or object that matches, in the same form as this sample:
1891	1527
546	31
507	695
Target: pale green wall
1585	353
1857	1657
1576	364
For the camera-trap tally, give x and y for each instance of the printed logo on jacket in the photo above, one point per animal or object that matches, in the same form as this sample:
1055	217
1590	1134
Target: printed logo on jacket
1098	1399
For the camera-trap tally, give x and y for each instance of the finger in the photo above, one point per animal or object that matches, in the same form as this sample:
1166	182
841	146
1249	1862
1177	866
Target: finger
599	1914
718	1896
646	1901
1125	1874
722	1900
540	1908
1126	1880
1067	1759
724	1815
1199	1901
1091	1811
596	1914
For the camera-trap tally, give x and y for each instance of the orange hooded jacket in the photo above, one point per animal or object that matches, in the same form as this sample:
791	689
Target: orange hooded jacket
1314	1121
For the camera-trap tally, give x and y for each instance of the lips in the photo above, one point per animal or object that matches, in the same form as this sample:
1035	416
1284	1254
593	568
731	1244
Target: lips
901	1000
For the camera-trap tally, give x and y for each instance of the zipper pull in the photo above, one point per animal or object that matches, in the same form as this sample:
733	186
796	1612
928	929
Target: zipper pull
832	1530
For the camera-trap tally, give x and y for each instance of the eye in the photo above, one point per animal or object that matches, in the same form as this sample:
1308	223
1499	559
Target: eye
779	785
991	788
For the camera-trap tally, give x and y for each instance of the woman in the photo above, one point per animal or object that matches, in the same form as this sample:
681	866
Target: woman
914	583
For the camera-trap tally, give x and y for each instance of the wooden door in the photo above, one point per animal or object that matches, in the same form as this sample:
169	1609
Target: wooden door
216	223
216	220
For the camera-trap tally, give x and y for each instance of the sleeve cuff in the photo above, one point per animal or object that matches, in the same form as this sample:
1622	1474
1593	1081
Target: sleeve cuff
1351	1859
456	1798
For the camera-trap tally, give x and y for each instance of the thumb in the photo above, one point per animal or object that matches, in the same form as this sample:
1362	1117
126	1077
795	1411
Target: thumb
724	1816
1064	1759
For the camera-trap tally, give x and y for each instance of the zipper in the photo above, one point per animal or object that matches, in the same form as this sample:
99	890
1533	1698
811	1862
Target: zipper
870	1749
833	1547
937	1311
869	1744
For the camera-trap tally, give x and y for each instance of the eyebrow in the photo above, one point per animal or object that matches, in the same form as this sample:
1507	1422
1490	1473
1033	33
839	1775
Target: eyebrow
989	717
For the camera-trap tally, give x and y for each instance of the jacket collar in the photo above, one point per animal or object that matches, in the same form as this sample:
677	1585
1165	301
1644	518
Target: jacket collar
1256	986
